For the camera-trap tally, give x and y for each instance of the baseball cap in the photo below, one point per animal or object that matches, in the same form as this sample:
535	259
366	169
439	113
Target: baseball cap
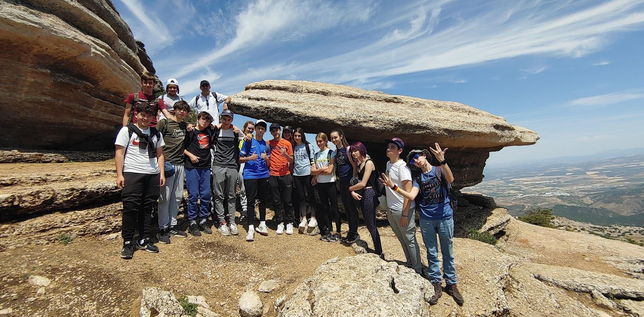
274	125
204	83
172	81
289	128
227	112
399	142
260	122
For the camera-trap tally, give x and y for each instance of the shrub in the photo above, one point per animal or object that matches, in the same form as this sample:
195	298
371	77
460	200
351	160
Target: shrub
539	217
188	307
65	238
483	237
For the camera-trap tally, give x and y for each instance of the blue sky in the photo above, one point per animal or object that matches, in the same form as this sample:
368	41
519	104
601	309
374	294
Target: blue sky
572	71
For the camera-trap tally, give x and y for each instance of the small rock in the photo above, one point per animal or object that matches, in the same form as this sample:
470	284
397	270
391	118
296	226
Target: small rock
199	300
250	305
268	286
40	291
39	280
601	300
112	236
6	311
279	301
205	312
587	259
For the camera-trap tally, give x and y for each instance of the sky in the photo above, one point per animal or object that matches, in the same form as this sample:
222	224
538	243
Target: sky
572	71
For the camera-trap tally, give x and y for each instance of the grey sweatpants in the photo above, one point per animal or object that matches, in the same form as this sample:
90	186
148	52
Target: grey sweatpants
224	180
406	236
170	198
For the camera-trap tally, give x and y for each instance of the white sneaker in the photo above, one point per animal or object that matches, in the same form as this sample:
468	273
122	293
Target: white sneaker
262	229
250	236
289	228
280	228
302	226
233	229
223	229
313	223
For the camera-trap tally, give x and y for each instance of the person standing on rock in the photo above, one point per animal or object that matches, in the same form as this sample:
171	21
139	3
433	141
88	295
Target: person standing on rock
346	169
171	96
436	216
254	154
365	192
138	156
173	130
323	171
209	101
400	211
144	96
302	161
281	180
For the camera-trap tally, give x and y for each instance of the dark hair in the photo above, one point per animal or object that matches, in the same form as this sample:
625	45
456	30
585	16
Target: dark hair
414	169
205	115
301	132
358	146
182	105
144	107
340	133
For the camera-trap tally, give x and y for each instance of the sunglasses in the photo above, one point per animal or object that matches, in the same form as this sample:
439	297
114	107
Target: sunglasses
413	159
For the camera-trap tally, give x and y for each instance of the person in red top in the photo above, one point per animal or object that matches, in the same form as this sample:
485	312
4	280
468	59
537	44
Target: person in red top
281	180
148	81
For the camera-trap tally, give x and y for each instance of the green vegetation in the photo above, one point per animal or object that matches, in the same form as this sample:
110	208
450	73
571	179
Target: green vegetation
539	217
188	307
483	237
633	241
65	238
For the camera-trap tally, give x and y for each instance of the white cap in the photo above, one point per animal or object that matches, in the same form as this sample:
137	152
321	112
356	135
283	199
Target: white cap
172	81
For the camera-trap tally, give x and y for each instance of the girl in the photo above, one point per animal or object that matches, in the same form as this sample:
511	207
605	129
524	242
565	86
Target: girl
346	169
325	181
302	176
248	129
364	191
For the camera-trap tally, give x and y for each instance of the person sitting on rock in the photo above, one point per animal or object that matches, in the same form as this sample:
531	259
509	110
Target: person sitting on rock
139	168
323	171
281	180
171	96
436	216
145	96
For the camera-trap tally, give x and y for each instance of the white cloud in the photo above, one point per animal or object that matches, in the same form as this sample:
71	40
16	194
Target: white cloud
601	63
604	100
534	70
156	34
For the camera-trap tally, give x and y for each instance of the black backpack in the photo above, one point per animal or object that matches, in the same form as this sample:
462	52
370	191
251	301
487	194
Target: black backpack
378	187
151	147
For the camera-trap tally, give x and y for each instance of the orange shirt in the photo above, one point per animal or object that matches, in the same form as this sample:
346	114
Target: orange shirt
279	163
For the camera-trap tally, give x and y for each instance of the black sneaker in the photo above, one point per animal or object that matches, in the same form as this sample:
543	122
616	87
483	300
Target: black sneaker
128	250
324	237
177	233
164	236
438	292
351	238
194	230
452	290
203	226
147	245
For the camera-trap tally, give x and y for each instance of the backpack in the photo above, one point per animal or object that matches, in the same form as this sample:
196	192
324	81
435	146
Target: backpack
137	100
214	94
153	132
453	197
308	152
378	187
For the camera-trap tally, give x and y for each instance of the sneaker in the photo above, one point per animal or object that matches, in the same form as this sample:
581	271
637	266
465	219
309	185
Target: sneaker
233	229
163	236
147	245
223	229
324	237
452	290
250	236
280	228
177	233
289	229
302	225
313	223
203	226
128	250
194	229
262	229
438	292
352	238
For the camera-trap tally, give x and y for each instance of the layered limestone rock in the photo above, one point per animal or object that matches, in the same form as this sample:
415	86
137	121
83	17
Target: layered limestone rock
372	116
67	66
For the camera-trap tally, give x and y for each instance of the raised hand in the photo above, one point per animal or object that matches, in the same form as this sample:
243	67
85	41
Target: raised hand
438	153
386	180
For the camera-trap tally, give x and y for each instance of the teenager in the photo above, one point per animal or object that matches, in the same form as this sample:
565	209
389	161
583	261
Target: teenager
281	180
171	96
323	171
364	191
400	211
346	169
302	161
254	153
144	96
138	155
436	216
224	171
248	128
209	101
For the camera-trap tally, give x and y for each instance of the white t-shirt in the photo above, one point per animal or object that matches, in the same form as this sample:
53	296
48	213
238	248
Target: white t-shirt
208	104
398	172
168	102
322	160
137	159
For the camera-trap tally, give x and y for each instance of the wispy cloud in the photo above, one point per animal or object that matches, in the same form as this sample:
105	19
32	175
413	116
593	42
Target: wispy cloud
534	70
602	63
604	100
156	34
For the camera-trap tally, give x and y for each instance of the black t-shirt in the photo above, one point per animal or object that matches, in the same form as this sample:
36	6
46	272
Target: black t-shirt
199	143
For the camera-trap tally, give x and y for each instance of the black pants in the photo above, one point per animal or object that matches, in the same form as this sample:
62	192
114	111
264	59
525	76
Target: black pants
369	204
303	187
350	208
256	189
139	195
329	203
282	189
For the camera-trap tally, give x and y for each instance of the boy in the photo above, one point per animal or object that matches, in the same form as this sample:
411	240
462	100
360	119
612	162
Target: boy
173	131
254	153
197	166
138	156
145	96
280	179
224	171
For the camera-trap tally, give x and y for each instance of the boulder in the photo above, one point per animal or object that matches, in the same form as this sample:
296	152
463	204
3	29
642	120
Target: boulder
250	305
157	302
68	65
372	116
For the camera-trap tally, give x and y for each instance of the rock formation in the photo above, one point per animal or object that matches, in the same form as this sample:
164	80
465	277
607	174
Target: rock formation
68	66
371	116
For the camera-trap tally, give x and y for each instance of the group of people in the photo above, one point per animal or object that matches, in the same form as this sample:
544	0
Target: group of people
156	150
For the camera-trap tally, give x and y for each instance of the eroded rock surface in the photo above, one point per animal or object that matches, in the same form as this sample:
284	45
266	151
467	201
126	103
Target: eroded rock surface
371	116
68	65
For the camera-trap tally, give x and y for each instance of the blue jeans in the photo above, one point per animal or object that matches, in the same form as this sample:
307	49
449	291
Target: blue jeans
445	230
198	184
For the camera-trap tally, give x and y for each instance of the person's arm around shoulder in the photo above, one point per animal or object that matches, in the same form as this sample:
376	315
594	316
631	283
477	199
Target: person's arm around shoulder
407	194
128	109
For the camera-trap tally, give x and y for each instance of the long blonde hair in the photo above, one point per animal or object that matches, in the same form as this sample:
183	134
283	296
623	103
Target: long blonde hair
324	138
